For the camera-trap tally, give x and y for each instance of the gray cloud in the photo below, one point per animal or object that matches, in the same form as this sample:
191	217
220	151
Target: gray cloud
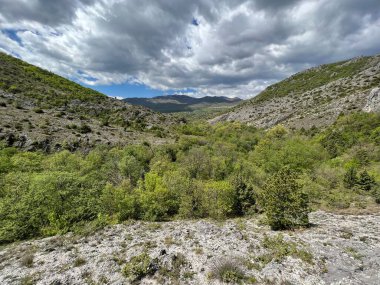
43	11
237	48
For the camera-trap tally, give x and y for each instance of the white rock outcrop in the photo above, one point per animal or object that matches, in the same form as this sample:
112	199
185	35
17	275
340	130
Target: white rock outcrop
373	101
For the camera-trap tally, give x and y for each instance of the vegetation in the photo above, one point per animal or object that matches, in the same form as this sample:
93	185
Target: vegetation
278	249
313	78
230	272
18	76
285	204
44	94
139	266
216	171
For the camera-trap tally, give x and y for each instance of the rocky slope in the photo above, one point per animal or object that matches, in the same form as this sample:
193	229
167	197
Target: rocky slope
40	110
314	97
337	249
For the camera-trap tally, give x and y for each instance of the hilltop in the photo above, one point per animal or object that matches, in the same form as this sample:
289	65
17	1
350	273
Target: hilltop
41	110
314	97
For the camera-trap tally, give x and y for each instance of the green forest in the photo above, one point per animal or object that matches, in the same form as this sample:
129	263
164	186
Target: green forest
211	171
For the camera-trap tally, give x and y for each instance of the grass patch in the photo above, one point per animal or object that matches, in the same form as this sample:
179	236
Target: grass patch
278	249
230	271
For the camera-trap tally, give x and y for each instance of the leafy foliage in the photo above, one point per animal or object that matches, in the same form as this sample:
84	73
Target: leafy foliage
216	171
139	266
284	202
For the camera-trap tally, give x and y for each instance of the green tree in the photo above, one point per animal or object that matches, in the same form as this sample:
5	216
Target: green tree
284	202
218	199
157	201
120	201
365	181
350	177
245	196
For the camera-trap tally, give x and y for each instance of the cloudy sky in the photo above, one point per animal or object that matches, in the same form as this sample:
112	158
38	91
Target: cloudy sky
200	47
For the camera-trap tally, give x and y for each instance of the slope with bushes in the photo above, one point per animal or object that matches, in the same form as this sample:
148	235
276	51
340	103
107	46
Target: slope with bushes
314	97
41	110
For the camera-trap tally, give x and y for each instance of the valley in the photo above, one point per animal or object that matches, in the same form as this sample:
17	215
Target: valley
280	189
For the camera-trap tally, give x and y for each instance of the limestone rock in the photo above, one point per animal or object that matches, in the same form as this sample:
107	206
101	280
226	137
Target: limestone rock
373	101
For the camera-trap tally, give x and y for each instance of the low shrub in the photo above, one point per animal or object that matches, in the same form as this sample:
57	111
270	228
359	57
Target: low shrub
140	266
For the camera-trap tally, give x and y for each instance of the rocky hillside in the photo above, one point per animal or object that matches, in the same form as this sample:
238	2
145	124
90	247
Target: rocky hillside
314	97
41	110
183	103
337	249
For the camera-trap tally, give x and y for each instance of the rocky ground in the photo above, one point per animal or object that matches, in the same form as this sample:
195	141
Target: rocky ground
337	249
26	126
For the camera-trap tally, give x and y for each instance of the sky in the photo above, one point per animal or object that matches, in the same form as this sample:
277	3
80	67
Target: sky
234	48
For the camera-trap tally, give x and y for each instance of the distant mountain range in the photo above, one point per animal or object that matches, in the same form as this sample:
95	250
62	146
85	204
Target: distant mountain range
183	103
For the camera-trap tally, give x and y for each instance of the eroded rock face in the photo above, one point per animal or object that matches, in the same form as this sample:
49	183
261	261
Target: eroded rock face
341	249
373	101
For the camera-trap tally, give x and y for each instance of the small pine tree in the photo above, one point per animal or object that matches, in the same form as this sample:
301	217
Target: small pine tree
350	178
365	181
284	203
245	196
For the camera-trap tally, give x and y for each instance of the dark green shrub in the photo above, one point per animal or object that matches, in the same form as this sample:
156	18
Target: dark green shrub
376	194
38	110
85	129
245	196
350	177
283	201
365	181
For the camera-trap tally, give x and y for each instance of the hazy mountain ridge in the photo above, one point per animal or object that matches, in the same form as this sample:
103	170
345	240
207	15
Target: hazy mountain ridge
42	110
182	103
314	97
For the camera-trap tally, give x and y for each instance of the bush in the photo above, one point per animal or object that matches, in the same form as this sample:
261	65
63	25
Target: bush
140	266
365	181
228	271
245	196
350	178
85	129
279	249
119	201
376	194
283	201
218	199
157	201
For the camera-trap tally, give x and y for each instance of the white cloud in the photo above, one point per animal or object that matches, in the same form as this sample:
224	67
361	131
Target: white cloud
237	48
